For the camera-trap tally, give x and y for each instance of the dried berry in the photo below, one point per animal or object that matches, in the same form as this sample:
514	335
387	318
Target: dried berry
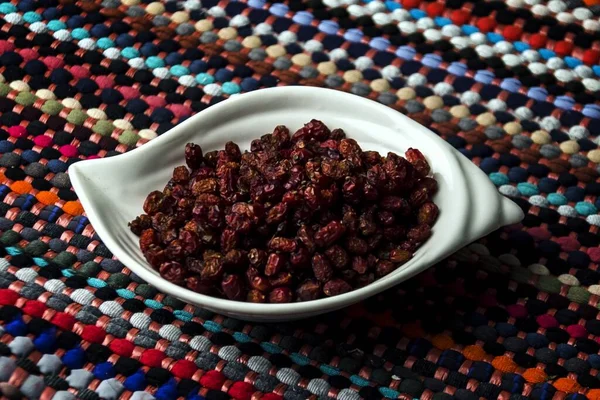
386	218
349	147
282	244
277	213
233	151
260	283
394	233
281	279
251	272
172	271
360	264
281	295
419	233
190	241
306	237
336	287
384	267
337	256
321	268
181	174
348	275
299	258
194	265
233	287
335	169
337	134
309	290
328	234
256	296
147	239
257	257
394	204
197	285
352	190
294	218
429	184
364	280
313	130
140	224
155	256
229	240
399	256
275	263
152	204
371	158
418	161
235	260
357	245
212	270
206	185
419	197
193	155
428	213
366	223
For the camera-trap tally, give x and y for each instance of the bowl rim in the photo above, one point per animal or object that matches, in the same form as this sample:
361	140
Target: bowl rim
78	176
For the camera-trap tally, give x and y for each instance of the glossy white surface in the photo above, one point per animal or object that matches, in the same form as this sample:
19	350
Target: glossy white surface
112	190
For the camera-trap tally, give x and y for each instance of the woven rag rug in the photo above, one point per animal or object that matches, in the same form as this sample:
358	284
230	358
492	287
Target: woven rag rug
514	86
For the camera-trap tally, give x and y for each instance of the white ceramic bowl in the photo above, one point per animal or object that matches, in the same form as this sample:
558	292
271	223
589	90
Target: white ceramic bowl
112	190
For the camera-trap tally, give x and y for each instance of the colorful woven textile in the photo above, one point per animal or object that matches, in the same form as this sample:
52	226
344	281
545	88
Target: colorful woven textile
512	85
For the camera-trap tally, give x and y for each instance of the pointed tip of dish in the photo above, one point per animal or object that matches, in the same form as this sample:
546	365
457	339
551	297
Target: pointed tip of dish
511	212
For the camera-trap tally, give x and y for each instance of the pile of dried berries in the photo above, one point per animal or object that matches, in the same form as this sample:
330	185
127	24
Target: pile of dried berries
295	219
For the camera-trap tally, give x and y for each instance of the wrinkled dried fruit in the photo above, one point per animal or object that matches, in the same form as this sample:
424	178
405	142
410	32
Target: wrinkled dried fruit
328	234
233	287
281	295
212	270
419	196
153	202
235	260
309	290
189	241
257	257
313	130
306	237
417	159
155	256
282	244
281	279
256	296
357	245
335	287
399	256
181	174
299	258
147	239
140	224
384	267
197	285
193	155
260	283
229	240
321	268
360	264
275	263
207	185
428	213
294	219
172	271
419	233
337	256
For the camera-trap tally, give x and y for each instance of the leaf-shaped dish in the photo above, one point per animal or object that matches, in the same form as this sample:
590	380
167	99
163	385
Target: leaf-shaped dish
112	190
